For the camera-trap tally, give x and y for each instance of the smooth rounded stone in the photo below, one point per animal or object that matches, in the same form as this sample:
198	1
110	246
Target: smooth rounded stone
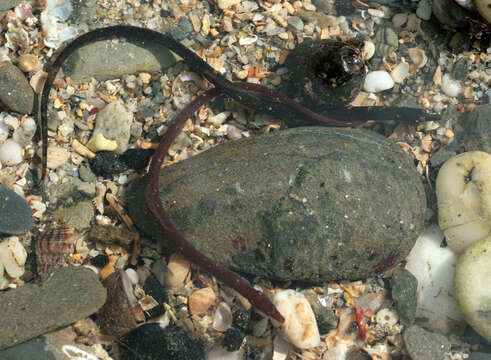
114	60
10	153
377	81
78	215
450	86
405	295
312	203
71	294
114	123
474	130
15	92
153	342
424	345
471	286
9	4
448	12
15	213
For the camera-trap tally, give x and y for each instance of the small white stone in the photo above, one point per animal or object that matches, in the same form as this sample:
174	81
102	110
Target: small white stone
400	72
368	50
226	4
10	153
377	81
300	327
450	87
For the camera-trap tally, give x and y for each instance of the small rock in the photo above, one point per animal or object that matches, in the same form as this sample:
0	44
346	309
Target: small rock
377	81
404	293
15	213
114	122
423	345
232	339
86	174
450	87
28	62
300	326
226	4
200	301
57	157
471	286
12	257
424	10
15	92
10	153
137	159
476	130
177	270
23	135
71	294
78	215
295	22
152	342
460	69
106	163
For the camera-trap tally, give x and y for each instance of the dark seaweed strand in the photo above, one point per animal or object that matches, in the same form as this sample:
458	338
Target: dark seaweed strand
255	97
256	298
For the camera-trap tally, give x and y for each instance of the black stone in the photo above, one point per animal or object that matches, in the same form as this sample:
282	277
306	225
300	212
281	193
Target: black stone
241	319
253	353
405	295
153	288
106	163
15	213
151	342
232	339
136	159
100	261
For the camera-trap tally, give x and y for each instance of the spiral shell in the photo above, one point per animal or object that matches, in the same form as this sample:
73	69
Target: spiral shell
52	247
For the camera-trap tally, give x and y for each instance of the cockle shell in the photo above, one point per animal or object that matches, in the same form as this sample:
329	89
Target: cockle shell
52	246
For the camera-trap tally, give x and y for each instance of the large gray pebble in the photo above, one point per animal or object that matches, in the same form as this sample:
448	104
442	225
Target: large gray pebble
15	213
424	345
105	60
302	204
71	294
15	92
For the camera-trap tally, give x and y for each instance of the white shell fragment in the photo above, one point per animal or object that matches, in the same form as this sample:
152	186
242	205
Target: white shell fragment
451	87
463	190
368	50
434	267
387	317
222	319
55	30
57	157
471	285
300	327
10	153
418	57
13	256
177	270
400	72
377	81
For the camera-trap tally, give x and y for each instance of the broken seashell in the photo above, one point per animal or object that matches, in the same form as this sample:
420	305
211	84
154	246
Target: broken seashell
368	50
400	72
387	317
300	326
13	256
377	81
222	319
177	270
28	62
200	301
463	190
418	57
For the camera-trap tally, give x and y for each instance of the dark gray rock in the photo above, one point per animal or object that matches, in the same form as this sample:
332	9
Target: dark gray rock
71	294
9	4
301	204
449	13
32	349
474	130
480	356
115	60
424	345
404	294
182	29
460	69
15	213
15	92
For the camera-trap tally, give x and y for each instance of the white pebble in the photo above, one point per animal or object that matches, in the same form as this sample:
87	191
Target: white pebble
450	87
24	135
377	81
13	256
10	153
300	327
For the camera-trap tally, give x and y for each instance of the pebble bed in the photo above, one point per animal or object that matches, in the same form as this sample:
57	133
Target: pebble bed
245	41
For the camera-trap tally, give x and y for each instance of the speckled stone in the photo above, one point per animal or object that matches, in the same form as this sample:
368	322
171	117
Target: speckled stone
301	204
71	294
405	295
424	345
15	92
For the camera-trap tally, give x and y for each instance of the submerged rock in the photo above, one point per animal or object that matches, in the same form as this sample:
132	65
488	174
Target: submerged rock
302	204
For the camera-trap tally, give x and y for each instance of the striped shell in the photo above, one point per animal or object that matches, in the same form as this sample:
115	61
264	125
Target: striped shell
52	247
